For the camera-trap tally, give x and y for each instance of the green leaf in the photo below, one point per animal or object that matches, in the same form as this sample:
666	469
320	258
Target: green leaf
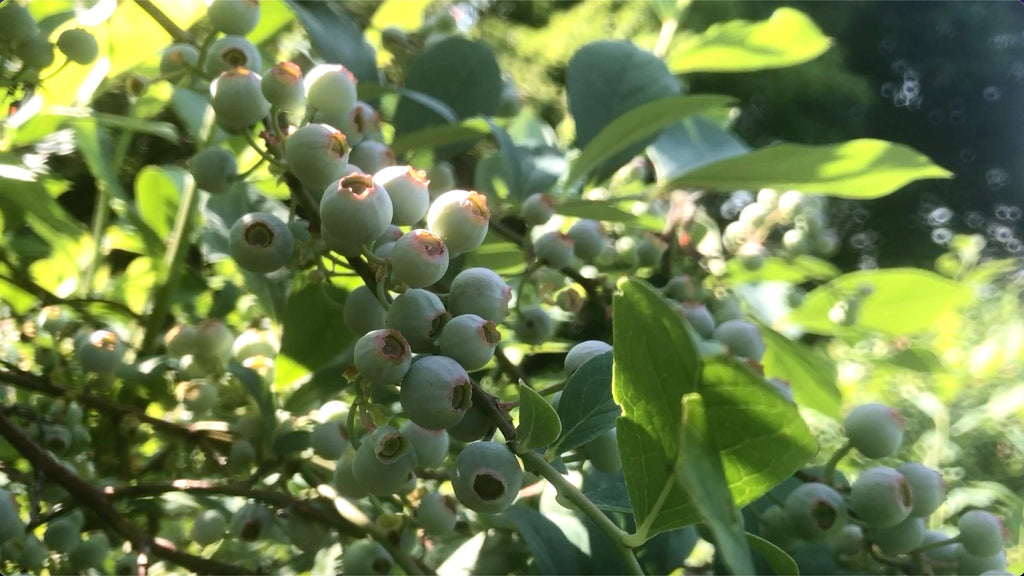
370	91
539	425
552	551
690	144
699	469
468	130
655	364
795	270
290	443
459	72
901	301
496	253
604	210
157	195
639	124
164	130
787	38
859	169
780	562
812	376
253	384
606	79
586	407
337	38
24	200
313	331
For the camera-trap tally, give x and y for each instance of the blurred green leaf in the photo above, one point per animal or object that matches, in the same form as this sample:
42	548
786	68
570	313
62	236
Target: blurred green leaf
468	130
369	91
157	195
25	201
604	210
859	169
787	38
337	38
586	406
552	551
313	330
780	562
690	144
539	425
811	375
796	270
496	253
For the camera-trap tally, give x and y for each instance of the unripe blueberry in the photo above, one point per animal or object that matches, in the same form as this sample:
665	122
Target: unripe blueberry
700	318
382	356
372	156
437	513
875	430
238	100
63	534
554	249
252	521
470	340
229	52
355	211
177	61
214	169
101	352
814	511
742	338
431	446
241	456
36	53
783	388
331	88
263	366
473	426
419	315
603	451
581	352
881	497
534	325
90	553
363	311
442	178
774	527
199	395
408	189
255	342
11	525
588	239
537	209
942	558
384	461
982	533
345	480
418	259
16	23
684	288
789	202
78	45
926	485
480	291
329	439
209	527
365	557
849	541
649	250
282	85
460	218
901	538
305	533
260	242
487	477
234	16
436	392
796	241
968	564
315	153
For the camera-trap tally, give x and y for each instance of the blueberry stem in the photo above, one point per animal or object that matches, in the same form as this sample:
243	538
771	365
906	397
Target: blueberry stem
833	461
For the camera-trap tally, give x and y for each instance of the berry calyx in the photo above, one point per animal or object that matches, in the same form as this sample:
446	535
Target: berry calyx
260	242
487	477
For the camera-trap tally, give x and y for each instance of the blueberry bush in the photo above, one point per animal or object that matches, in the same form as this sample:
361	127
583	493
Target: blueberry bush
308	287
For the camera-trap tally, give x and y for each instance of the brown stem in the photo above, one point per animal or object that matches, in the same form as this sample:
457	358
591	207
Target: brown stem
164	21
514	371
501	418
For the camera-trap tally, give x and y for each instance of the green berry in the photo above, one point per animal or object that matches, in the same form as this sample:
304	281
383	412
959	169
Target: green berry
214	169
255	342
408	189
282	85
436	392
260	242
241	456
875	430
460	218
480	291
649	250
372	156
437	513
982	533
699	318
942	558
588	239
36	53
90	553
330	439
365	557
419	315
78	45
383	356
345	480
554	249
603	451
33	554
475	424
881	497
926	485
210	526
11	525
384	461
199	396
968	564
579	354
487	477
684	288
814	511
901	538
52	319
237	99
363	312
252	521
355	211
469	340
63	534
419	259
431	446
534	325
796	241
101	352
305	533
214	341
849	541
234	16
742	338
177	61
331	88
230	52
16	23
56	438
537	209
783	388
315	153
442	178
357	124
774	527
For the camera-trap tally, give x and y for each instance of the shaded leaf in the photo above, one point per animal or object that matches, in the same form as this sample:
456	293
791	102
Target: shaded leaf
552	551
586	406
780	562
313	332
157	195
795	270
811	375
539	425
690	144
604	210
337	38
468	130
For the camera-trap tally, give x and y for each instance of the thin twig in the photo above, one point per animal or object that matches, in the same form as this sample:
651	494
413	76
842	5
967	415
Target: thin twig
165	22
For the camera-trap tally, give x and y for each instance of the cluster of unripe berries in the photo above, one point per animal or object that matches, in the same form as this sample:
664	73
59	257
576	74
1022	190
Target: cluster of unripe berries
21	39
832	526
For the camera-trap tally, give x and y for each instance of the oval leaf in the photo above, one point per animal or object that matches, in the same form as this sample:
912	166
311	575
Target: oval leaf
539	425
782	564
337	38
811	376
552	551
586	407
858	169
690	144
